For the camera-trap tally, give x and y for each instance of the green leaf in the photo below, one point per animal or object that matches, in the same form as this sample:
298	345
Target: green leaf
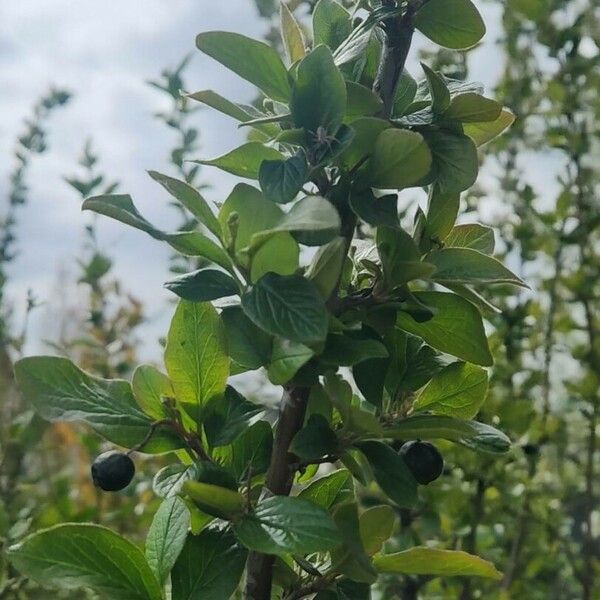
73	556
390	472
457	391
149	387
196	356
59	391
484	305
366	132
422	363
209	568
326	267
168	482
315	440
203	285
189	197
231	417
473	108
474	236
290	307
481	133
346	351
280	254
166	537
291	34
214	499
252	60
476	436
250	452
455	163
280	525
313	221
282	180
400	257
376	526
286	360
191	243
442	210
332	23
251	213
319	93
330	489
247	345
240	112
421	560
369	377
243	161
121	208
406	90
375	211
454	24
350	558
465	265
400	159
440	94
362	102
456	327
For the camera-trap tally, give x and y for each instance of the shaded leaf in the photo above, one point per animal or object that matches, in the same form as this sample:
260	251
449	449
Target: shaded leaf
73	556
390	472
203	285
281	525
209	568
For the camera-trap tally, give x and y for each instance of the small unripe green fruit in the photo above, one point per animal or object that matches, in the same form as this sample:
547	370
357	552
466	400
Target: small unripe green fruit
423	460
112	471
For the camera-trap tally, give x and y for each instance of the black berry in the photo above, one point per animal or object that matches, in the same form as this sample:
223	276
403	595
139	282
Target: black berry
112	471
423	460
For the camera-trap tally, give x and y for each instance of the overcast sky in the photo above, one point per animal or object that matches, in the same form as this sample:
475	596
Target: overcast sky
103	52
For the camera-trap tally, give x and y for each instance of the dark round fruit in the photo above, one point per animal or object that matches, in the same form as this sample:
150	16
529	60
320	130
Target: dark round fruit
112	471
423	460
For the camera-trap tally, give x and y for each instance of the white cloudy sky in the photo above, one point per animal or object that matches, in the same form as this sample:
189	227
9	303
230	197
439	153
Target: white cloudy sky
103	52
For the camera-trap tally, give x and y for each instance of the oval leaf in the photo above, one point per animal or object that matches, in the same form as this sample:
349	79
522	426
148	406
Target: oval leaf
196	356
60	391
400	159
431	561
456	327
465	265
203	285
476	436
457	391
243	161
209	567
281	525
287	306
72	556
252	60
166	536
454	24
